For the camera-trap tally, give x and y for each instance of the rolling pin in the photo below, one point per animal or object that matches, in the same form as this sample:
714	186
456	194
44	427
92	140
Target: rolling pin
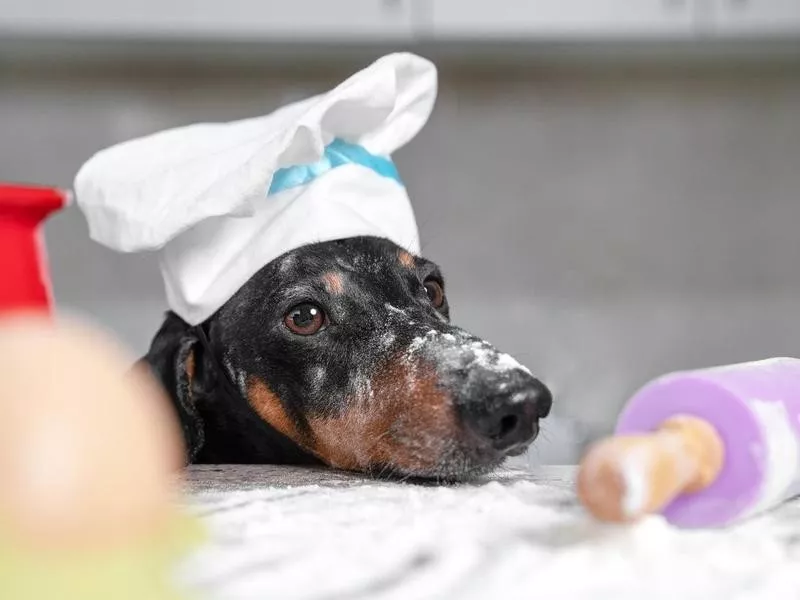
25	283
703	448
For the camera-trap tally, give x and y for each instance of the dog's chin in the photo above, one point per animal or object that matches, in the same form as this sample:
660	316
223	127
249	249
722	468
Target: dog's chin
519	450
456	468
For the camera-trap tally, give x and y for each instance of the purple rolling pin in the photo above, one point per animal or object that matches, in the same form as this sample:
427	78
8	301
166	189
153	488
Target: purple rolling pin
754	409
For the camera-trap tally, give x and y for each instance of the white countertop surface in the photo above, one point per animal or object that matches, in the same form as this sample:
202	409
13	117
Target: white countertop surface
288	533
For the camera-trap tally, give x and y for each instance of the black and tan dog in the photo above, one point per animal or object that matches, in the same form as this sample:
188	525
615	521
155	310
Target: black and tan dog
342	353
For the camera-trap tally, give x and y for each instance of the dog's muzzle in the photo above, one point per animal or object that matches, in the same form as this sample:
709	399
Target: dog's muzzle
506	411
498	400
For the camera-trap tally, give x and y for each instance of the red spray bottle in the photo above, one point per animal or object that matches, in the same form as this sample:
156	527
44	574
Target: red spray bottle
24	275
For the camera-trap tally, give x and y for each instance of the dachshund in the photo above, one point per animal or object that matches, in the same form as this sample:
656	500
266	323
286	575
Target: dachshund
342	354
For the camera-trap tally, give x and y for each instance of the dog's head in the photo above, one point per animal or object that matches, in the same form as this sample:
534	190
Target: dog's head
346	348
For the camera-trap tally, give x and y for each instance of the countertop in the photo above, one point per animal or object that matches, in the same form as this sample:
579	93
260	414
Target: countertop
291	533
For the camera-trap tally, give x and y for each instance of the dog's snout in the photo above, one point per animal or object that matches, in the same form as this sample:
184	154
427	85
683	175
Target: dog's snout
511	419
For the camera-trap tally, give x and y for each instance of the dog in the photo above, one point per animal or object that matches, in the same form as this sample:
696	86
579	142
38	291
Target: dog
342	354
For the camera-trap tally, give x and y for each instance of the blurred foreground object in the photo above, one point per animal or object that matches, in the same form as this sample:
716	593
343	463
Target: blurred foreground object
24	279
704	448
89	457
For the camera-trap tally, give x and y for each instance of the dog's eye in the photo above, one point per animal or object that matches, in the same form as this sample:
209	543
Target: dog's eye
305	319
435	292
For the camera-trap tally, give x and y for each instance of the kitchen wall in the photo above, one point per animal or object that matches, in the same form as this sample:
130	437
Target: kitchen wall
604	224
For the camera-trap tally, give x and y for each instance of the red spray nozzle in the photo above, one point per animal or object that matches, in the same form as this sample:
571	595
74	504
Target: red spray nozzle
24	276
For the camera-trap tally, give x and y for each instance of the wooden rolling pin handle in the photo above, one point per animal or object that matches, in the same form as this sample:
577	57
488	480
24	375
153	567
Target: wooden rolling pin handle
624	478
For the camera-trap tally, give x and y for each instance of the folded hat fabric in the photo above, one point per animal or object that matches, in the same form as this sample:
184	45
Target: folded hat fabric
221	200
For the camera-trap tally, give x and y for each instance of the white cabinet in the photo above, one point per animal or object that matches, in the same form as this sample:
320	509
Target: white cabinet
613	20
297	23
259	20
557	20
755	18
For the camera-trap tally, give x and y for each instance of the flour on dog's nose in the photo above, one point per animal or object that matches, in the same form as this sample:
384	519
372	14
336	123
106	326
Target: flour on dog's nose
456	348
416	345
488	357
505	362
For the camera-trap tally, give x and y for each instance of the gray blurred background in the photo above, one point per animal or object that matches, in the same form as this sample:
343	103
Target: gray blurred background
612	186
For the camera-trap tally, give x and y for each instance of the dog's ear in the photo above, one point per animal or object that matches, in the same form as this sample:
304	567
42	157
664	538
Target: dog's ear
175	358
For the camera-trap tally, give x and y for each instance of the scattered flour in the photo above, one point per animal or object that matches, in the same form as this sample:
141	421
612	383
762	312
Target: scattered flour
638	466
415	346
393	309
636	492
287	264
505	539
234	375
388	339
318	377
362	389
781	479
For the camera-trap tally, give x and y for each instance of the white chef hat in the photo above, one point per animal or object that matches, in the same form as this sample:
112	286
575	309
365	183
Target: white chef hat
222	200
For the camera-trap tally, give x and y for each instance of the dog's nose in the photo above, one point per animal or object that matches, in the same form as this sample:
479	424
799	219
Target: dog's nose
511	418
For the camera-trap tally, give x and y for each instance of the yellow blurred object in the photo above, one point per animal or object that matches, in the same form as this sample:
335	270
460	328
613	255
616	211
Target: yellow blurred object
138	570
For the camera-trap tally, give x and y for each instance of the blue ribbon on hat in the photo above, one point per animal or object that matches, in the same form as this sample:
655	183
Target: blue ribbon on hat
338	153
